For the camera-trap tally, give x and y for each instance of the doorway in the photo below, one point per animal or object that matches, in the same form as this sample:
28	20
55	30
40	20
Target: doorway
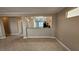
6	26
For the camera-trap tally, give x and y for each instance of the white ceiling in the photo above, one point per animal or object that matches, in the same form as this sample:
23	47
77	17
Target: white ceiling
30	10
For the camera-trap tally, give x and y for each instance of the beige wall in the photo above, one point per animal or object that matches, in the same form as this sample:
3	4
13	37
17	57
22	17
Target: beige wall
67	30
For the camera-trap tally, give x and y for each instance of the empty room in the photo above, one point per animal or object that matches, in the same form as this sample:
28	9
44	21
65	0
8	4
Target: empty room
39	28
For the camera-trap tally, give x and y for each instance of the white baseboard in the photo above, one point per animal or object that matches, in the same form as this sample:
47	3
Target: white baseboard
39	37
63	44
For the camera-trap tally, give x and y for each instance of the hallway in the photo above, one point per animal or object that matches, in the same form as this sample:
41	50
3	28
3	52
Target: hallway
16	43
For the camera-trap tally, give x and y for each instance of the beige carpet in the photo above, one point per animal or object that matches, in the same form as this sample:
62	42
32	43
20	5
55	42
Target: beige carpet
16	43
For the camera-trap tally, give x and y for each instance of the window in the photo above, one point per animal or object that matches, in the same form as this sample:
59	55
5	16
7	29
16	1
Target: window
39	24
39	20
73	13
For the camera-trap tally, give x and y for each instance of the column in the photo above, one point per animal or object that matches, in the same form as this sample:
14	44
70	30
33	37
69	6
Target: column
2	32
24	26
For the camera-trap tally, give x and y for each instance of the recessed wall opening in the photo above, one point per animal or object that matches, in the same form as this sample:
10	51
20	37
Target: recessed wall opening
5	21
39	21
10	25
